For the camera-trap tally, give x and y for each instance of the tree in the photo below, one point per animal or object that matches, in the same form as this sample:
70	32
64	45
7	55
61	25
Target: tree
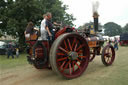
15	14
112	29
125	28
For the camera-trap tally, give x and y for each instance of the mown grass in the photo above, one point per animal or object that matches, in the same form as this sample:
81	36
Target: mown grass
96	73
12	63
116	74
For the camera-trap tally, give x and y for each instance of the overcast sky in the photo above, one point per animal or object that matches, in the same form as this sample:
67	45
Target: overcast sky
109	10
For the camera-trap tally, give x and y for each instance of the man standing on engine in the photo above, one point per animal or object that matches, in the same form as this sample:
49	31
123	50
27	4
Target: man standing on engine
43	29
49	26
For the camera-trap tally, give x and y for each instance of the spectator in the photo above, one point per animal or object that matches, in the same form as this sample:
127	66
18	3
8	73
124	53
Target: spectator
17	52
109	41
116	44
30	30
10	50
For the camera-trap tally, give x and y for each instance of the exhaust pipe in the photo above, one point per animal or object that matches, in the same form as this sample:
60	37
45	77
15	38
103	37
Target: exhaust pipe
95	17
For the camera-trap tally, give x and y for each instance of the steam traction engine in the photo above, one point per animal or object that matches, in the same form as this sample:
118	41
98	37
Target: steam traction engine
70	52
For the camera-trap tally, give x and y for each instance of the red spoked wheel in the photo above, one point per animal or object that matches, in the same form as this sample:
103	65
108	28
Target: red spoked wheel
108	55
92	54
69	55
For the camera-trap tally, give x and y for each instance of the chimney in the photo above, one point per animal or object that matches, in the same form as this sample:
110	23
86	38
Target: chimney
95	16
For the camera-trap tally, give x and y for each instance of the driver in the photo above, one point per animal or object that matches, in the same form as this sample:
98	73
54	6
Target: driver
49	26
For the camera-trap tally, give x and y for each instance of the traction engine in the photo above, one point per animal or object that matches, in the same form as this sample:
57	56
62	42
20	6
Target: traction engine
70	52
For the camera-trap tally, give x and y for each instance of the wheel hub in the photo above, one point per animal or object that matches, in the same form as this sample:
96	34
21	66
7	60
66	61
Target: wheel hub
73	55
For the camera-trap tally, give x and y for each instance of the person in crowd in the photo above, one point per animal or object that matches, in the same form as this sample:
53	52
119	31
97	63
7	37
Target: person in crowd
10	50
29	28
31	33
17	52
109	41
116	44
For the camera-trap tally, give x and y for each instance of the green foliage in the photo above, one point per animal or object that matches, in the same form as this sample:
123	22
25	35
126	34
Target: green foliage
112	29
125	29
15	14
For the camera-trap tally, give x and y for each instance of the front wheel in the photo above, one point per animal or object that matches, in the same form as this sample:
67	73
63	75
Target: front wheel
108	55
69	55
92	54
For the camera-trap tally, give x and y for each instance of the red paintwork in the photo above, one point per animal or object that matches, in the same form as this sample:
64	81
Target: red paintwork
31	43
62	31
124	42
46	44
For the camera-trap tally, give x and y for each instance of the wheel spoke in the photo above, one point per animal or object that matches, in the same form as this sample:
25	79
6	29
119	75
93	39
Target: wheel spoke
69	45
75	47
80	52
82	56
108	50
105	58
63	50
62	65
66	65
73	42
108	60
73	66
60	54
61	59
66	47
79	47
78	66
70	70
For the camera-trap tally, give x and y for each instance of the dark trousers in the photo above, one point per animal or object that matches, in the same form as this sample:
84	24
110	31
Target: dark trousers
10	53
53	36
116	46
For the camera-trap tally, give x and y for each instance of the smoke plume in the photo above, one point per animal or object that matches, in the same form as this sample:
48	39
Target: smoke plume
95	6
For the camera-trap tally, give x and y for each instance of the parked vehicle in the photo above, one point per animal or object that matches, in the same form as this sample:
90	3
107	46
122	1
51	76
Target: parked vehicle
124	39
3	48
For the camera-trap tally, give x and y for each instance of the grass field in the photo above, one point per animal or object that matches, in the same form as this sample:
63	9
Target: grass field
12	63
117	74
96	73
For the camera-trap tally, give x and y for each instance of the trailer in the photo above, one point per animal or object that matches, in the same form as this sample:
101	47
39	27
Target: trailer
124	39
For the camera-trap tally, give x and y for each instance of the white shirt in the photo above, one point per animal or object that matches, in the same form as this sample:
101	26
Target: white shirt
43	30
43	24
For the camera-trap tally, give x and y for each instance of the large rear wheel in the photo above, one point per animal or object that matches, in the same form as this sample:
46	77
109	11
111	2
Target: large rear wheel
69	55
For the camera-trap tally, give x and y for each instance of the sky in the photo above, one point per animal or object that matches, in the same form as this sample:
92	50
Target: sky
109	11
